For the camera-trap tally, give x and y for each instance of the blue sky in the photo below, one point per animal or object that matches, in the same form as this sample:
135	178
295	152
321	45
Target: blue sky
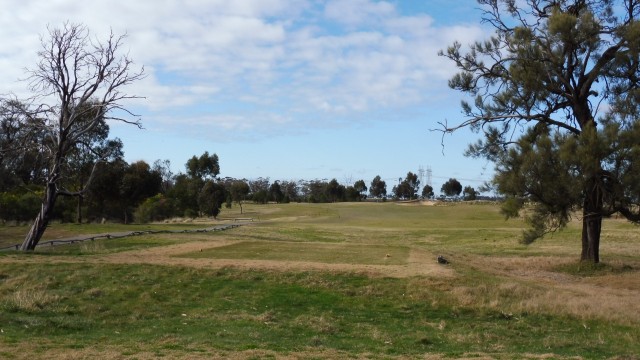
284	89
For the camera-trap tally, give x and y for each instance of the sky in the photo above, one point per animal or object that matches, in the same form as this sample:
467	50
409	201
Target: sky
279	89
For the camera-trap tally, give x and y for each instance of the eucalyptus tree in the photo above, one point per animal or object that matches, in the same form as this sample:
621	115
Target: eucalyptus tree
204	167
469	193
378	188
275	192
21	146
451	188
360	187
238	190
92	147
78	82
427	192
407	188
557	95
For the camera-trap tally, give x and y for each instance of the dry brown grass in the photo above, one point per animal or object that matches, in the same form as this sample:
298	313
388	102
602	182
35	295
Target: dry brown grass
533	284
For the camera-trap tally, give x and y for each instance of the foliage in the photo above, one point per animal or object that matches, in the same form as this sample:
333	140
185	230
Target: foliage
451	188
408	188
259	189
204	167
154	208
238	191
427	192
211	197
139	183
564	74
275	192
105	198
469	193
185	192
378	188
360	187
22	160
19	206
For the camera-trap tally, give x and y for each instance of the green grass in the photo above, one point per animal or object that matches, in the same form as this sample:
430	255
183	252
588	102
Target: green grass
107	246
71	302
313	252
586	269
181	309
10	235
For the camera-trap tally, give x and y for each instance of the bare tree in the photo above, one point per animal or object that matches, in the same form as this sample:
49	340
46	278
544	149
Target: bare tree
77	83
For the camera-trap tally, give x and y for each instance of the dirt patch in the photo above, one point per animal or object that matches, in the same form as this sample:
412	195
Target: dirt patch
418	203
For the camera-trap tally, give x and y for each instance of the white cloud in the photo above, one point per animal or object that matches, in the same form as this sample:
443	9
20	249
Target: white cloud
275	61
355	13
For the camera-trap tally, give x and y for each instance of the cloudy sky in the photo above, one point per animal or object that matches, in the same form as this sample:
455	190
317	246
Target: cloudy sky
285	89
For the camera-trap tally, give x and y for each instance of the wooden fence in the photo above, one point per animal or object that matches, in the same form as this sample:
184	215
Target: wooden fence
122	235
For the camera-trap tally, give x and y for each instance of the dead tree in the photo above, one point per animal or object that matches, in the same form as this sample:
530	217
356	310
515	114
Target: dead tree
77	83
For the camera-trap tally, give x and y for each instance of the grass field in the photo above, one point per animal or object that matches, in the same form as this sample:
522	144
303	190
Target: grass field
324	281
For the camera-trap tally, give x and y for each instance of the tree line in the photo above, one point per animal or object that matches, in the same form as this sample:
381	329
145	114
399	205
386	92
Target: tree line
143	192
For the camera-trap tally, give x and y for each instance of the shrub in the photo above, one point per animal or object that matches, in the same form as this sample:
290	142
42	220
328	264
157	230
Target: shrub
19	207
154	208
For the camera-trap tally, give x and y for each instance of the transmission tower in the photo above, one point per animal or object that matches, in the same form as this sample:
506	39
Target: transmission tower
429	173
421	174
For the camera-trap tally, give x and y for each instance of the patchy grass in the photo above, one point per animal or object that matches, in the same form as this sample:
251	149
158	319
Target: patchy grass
587	269
504	300
154	308
12	234
312	252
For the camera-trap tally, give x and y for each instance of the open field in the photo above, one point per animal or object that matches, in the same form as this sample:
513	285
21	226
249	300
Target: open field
324	281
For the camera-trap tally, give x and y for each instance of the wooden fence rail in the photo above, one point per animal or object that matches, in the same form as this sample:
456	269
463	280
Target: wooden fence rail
122	235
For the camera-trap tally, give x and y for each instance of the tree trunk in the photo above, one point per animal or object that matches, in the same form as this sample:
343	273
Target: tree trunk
79	209
591	226
42	220
592	222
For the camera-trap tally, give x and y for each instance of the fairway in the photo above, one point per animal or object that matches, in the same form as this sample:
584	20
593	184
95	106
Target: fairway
324	281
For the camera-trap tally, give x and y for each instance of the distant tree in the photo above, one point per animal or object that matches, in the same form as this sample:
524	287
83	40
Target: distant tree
73	71
104	199
407	188
185	192
211	197
361	188
316	191
22	157
334	191
469	193
91	148
204	167
260	190
378	188
238	190
138	183
291	191
351	194
275	192
427	192
451	188
163	167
